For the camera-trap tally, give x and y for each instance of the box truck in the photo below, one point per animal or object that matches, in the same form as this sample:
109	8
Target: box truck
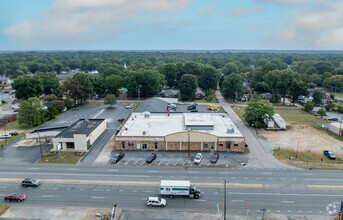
173	188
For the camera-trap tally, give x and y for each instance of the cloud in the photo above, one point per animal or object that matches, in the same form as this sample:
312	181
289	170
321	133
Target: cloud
244	11
207	11
86	20
319	27
290	2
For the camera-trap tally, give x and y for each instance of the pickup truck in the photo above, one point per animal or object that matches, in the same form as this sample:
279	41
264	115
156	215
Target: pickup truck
329	154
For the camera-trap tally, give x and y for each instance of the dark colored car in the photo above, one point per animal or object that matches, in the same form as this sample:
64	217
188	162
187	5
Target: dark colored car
117	157
30	182
151	158
333	119
18	197
191	107
329	154
14	133
214	158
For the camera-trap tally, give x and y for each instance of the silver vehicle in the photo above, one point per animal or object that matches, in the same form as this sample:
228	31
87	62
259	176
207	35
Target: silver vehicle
198	158
156	201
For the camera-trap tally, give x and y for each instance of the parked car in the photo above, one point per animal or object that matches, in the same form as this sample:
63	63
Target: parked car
214	158
130	106
18	197
329	154
333	119
30	182
198	158
117	157
151	158
156	201
4	136
14	133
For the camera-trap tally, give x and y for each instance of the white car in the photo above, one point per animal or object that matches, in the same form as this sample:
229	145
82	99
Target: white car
198	158
130	106
156	201
3	136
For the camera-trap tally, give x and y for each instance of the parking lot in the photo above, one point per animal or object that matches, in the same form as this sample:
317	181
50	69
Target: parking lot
180	159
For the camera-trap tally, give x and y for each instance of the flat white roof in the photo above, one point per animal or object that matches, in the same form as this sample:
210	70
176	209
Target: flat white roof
160	124
175	183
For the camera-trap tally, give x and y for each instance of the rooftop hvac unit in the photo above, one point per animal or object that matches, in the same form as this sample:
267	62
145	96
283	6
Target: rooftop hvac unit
144	132
230	130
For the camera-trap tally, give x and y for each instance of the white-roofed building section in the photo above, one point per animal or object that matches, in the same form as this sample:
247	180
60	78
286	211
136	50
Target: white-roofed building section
178	132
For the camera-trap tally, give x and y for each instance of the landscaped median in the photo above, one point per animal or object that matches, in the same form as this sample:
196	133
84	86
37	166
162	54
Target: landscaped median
3	209
66	157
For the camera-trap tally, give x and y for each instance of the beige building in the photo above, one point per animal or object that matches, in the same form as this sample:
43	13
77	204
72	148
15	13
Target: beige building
175	132
81	135
336	128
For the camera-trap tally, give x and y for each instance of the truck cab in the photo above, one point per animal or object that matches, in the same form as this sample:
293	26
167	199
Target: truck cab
194	192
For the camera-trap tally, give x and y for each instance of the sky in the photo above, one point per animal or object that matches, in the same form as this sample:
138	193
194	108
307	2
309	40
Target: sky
171	25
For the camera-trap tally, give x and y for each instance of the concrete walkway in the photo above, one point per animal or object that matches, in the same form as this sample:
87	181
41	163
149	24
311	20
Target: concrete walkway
258	156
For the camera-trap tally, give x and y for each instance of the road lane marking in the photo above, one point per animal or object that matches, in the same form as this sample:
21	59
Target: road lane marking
77	174
337	187
73	169
266	173
287	201
324	179
34	168
153	171
97	197
112	170
47	196
193	172
200	200
177	161
237	200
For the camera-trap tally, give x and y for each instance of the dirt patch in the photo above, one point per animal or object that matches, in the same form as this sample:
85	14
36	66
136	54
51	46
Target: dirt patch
308	138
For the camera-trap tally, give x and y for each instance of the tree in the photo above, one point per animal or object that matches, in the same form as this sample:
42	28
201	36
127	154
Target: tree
31	112
52	112
110	71
208	79
258	109
78	88
317	97
98	83
321	112
188	86
113	84
233	86
297	89
58	68
171	74
59	105
286	77
110	100
33	67
192	68
230	68
27	86
49	81
272	78
309	106
68	103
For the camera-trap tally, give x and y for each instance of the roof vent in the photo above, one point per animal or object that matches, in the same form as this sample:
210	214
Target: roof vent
86	120
230	130
144	132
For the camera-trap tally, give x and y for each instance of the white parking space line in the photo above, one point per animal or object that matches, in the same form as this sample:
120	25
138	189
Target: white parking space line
177	161
143	162
170	160
184	162
218	162
161	161
129	161
137	161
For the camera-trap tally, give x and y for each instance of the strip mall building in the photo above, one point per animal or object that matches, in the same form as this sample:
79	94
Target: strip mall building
179	131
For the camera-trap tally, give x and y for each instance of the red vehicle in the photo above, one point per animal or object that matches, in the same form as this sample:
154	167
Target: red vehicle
14	133
19	197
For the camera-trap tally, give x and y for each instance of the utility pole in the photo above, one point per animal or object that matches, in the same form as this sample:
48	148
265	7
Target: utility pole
189	145
40	146
225	193
340	126
296	156
5	133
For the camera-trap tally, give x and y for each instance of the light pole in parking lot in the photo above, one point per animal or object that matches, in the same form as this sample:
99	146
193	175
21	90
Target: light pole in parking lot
225	192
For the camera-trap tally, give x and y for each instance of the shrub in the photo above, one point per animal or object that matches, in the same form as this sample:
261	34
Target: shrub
309	106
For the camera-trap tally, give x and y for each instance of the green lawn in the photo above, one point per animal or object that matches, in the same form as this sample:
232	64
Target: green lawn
15	126
239	111
3	209
206	101
66	157
297	116
11	139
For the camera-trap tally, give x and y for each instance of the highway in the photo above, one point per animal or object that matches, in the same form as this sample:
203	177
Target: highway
277	190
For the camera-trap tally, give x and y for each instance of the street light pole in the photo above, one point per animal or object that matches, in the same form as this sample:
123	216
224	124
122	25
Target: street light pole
189	145
40	146
296	157
225	191
340	126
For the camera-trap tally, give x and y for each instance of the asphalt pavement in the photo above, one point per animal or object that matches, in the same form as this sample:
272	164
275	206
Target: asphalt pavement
279	191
